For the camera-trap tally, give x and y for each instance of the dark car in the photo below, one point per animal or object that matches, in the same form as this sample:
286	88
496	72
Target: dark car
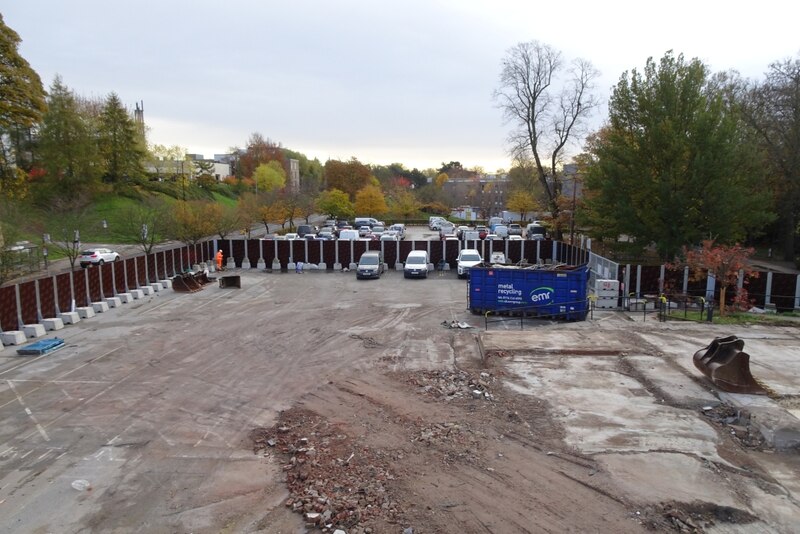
304	229
370	265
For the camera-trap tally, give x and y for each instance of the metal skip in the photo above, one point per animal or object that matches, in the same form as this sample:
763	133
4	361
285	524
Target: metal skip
724	363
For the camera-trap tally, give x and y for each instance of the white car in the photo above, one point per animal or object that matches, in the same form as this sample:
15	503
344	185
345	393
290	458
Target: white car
97	256
416	264
515	238
468	257
291	236
498	257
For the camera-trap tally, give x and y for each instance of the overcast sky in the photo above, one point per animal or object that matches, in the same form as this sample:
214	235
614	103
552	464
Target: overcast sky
385	81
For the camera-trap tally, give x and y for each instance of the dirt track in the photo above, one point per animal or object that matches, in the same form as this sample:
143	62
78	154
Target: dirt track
155	405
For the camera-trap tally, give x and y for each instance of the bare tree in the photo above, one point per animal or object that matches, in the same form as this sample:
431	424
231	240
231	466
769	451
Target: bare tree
547	112
72	217
146	224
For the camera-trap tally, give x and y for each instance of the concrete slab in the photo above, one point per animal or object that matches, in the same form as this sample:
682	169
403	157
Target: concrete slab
114	302
33	331
673	381
100	307
53	323
125	297
70	317
603	409
13	337
85	312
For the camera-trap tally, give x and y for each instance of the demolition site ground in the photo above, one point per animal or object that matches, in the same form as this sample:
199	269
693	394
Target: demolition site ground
319	403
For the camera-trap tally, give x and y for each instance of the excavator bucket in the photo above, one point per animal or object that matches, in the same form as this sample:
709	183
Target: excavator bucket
727	366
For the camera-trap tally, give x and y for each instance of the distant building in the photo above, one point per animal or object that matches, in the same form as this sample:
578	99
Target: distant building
294	175
486	194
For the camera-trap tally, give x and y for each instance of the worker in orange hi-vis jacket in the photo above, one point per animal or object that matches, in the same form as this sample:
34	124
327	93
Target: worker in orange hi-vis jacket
219	260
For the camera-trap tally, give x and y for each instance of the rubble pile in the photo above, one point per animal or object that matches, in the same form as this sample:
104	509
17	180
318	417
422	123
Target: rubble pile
334	482
447	385
736	422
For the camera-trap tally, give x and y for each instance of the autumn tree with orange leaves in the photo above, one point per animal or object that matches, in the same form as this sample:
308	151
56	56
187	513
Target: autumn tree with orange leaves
722	261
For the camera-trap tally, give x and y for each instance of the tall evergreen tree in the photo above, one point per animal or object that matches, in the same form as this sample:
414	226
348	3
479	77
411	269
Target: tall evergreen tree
22	104
674	166
120	144
67	145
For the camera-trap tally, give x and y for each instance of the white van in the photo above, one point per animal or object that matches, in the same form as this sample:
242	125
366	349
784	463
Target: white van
416	264
348	235
400	229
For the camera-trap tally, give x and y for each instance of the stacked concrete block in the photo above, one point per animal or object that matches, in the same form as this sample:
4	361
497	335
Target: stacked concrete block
607	293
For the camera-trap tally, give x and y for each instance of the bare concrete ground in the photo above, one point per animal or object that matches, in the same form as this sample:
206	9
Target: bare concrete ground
156	417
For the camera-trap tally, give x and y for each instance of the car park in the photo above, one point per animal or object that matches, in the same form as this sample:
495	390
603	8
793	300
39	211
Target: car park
467	258
416	265
370	265
97	256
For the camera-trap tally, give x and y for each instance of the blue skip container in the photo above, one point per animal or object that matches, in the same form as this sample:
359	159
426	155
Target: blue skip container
556	293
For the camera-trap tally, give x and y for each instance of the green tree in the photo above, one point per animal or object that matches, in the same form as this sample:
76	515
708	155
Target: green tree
440	180
192	221
772	109
673	166
22	105
547	112
405	204
335	203
371	201
269	176
120	144
67	145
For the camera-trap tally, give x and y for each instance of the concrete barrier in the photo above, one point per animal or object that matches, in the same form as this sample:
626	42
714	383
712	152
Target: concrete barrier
32	331
100	307
53	323
114	302
70	317
13	337
85	312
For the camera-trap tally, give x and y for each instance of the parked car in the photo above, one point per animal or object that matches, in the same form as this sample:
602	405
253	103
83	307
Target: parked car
416	264
292	236
501	230
515	238
97	256
377	230
468	257
498	257
370	265
364	231
390	236
492	237
482	231
470	235
494	222
535	228
348	235
326	234
514	229
304	229
435	221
